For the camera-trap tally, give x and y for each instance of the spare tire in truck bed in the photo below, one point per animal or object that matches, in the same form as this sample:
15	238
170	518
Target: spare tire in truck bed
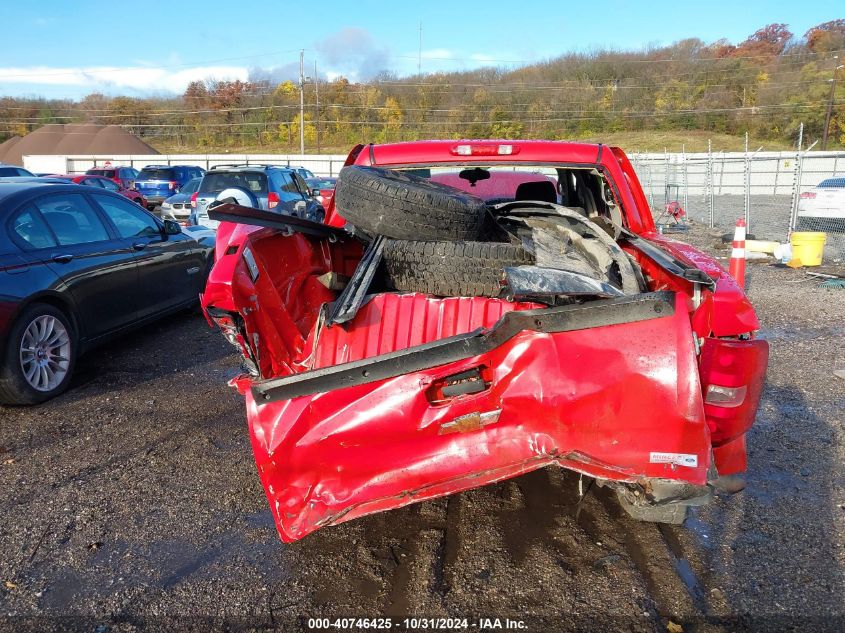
406	207
450	269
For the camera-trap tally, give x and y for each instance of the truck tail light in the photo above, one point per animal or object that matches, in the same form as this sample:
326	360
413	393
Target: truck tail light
732	373
808	195
272	200
725	396
194	200
485	149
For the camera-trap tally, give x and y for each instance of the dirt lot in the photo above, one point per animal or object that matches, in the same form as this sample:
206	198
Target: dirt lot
132	502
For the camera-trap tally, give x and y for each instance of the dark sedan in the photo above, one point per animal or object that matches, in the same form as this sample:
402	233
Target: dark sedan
77	267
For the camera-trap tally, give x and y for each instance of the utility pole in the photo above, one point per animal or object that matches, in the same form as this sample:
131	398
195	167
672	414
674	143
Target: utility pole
419	54
317	109
829	112
302	101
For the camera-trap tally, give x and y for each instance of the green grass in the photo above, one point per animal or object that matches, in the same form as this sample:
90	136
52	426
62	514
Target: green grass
676	140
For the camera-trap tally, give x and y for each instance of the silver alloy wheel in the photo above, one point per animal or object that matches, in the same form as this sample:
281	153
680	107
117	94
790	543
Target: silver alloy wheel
45	353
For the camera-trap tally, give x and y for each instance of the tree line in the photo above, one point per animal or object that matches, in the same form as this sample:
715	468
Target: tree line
766	85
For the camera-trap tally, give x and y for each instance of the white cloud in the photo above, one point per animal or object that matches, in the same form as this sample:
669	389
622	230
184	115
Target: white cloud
142	78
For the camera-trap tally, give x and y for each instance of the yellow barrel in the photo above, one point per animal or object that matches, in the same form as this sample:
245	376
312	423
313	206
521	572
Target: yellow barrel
808	247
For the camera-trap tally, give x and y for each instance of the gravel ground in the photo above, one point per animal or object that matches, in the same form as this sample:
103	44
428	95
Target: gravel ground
132	502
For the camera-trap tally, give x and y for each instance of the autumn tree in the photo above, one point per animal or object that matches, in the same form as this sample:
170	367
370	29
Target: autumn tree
825	37
766	43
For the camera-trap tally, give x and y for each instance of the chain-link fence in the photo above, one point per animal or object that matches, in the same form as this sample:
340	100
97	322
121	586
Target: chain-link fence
713	188
774	191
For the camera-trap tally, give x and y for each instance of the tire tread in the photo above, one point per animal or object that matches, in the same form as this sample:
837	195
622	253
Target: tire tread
450	269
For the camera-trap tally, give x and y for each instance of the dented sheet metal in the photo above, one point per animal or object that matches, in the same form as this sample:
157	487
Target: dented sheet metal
600	404
622	310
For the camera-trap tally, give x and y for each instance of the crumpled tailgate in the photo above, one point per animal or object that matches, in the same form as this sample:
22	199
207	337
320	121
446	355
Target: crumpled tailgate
620	401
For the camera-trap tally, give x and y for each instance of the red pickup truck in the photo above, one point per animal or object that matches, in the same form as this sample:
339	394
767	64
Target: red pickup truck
474	310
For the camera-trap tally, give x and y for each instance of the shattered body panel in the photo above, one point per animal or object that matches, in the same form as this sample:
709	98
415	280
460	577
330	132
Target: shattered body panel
600	402
361	401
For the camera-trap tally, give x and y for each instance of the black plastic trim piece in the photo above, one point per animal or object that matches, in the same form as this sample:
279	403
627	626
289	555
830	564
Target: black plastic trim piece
247	215
669	263
598	313
352	297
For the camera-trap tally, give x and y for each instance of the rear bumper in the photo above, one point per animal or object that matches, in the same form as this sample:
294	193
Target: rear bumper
621	402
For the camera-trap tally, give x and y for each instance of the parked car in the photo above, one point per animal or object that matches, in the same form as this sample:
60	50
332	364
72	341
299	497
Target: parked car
268	187
78	266
13	170
122	175
322	189
158	182
446	343
178	206
103	183
823	207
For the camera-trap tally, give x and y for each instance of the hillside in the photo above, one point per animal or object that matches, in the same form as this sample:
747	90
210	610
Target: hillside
660	97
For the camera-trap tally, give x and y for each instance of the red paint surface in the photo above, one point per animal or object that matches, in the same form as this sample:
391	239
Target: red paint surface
392	322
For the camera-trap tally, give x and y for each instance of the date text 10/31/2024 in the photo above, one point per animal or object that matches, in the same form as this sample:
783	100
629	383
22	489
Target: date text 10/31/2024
447	624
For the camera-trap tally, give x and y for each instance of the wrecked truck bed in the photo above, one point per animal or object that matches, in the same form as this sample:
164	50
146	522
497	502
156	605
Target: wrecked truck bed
361	397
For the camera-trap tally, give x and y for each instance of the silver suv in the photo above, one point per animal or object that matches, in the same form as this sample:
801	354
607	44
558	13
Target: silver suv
266	187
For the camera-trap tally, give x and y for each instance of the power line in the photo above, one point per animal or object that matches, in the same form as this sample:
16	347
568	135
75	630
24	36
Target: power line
244	109
768	85
578	115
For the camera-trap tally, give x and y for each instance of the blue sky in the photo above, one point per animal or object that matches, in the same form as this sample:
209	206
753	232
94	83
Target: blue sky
62	49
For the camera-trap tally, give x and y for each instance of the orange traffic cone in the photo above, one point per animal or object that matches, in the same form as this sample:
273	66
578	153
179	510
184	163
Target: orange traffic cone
737	265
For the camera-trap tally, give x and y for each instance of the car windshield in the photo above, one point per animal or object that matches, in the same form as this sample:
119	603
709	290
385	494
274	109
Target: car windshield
832	183
254	181
191	186
156	173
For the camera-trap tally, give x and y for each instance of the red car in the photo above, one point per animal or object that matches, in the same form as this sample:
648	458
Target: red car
104	183
124	176
425	341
